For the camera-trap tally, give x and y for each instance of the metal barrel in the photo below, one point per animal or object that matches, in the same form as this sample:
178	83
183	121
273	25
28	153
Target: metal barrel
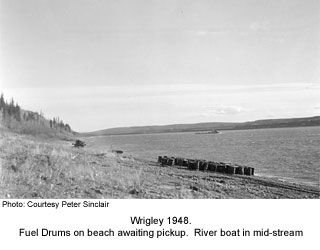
221	167
239	170
212	167
185	162
230	169
179	162
247	171
203	165
193	165
164	160
252	171
170	161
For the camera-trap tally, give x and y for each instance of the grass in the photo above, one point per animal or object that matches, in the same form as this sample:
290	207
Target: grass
35	128
35	169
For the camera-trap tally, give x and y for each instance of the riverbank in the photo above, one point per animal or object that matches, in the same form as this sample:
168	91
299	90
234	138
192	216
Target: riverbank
33	167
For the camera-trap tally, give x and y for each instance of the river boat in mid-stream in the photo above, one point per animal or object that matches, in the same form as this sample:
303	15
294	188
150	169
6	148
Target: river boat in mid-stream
214	131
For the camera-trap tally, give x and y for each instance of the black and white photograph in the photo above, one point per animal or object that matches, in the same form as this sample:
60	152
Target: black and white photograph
159	99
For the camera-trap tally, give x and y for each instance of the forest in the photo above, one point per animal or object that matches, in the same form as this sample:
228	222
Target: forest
19	120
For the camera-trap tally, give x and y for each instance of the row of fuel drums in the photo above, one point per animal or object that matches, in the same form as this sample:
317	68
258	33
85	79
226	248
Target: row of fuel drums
203	165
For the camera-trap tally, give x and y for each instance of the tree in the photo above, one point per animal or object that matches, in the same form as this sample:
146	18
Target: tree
67	127
11	113
11	107
2	102
17	112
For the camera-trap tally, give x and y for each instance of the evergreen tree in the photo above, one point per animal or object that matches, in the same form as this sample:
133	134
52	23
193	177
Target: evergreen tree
2	102
12	112
17	112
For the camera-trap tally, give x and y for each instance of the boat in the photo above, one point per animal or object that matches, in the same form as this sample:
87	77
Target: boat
213	131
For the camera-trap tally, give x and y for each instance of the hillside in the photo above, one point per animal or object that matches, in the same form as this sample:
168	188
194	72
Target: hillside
14	118
197	127
280	123
163	129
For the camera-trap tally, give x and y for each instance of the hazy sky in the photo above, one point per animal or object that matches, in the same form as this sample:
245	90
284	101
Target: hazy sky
107	63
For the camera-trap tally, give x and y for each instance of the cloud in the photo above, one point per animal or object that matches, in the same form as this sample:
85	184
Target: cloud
209	32
258	26
226	110
201	33
275	39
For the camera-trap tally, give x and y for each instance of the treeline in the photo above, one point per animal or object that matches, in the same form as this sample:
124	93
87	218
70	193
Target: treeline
57	124
9	110
11	115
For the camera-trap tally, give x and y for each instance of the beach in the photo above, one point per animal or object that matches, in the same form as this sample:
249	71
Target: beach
34	167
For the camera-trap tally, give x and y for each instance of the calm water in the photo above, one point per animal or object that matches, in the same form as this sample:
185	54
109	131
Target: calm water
292	154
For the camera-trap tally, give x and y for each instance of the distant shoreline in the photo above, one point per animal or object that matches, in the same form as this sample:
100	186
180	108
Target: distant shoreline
92	134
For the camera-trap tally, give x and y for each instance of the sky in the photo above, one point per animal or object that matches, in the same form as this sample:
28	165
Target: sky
99	64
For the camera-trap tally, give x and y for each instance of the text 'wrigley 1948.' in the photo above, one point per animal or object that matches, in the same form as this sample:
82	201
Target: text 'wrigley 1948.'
55	204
